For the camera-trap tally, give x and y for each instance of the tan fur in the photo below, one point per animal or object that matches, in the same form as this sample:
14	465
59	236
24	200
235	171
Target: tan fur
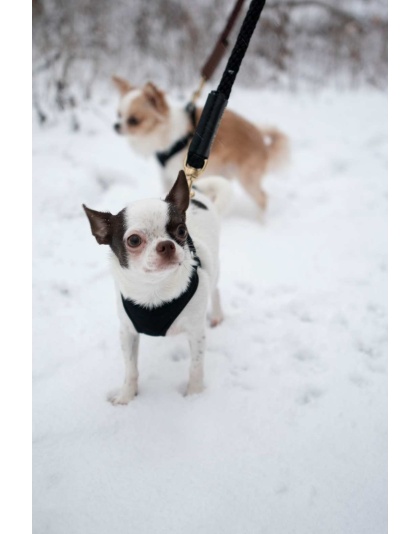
149	108
240	149
278	147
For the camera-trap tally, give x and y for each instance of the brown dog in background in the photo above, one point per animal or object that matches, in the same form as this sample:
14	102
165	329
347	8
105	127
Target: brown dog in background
240	149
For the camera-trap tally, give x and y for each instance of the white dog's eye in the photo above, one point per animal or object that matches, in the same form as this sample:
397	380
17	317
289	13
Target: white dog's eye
134	241
181	231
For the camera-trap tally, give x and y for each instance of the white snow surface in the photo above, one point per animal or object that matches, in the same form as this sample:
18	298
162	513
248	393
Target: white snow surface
290	435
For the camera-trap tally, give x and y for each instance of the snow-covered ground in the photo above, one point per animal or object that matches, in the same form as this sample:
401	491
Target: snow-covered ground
290	435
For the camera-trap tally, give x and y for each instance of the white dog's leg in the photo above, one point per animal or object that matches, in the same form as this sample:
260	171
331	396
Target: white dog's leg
197	346
130	348
216	315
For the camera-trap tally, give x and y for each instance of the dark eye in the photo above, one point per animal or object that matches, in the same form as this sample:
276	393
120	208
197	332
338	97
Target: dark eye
181	231
134	241
133	121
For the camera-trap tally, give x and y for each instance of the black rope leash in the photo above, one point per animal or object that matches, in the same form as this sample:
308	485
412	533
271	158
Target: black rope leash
214	108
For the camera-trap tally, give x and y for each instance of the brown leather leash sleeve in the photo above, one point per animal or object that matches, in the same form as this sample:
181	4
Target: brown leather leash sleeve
222	43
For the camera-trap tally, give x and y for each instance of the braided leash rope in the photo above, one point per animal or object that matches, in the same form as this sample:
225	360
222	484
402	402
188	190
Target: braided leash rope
240	48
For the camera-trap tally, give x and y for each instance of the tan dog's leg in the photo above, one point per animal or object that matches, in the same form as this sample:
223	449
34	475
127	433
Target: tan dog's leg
251	182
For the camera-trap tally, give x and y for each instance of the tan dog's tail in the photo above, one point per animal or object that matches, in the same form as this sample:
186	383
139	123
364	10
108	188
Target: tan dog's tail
278	147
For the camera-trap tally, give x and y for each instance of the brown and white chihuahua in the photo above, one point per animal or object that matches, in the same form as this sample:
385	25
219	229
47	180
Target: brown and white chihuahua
165	263
240	149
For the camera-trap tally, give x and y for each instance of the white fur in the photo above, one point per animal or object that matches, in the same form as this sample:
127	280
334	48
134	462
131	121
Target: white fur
162	136
126	101
150	289
139	282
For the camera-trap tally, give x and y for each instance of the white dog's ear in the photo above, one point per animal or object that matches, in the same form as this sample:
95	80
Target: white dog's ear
122	85
179	195
156	98
100	224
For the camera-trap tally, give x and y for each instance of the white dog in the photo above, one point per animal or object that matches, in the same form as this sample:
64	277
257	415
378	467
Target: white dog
165	264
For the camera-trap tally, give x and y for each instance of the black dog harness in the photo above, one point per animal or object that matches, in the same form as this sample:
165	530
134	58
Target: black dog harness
179	145
157	321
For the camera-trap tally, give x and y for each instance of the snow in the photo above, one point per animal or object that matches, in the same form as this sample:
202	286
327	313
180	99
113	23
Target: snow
290	434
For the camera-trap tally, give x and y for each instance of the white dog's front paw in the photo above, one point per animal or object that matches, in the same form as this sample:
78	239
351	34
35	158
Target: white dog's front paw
123	395
215	320
194	388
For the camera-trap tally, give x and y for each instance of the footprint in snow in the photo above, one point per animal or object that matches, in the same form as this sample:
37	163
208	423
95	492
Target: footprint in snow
304	355
281	489
376	368
359	380
246	288
310	395
339	166
63	290
299	310
240	379
237	370
368	350
376	310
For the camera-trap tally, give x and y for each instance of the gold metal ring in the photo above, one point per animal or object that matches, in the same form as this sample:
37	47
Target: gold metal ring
192	174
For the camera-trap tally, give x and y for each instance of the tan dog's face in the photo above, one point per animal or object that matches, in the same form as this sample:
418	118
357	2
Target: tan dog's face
140	111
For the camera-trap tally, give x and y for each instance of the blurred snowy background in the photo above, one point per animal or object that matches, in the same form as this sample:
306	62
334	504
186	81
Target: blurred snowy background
290	435
299	44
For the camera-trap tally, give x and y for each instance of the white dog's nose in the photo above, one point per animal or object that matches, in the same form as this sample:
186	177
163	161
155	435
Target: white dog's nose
165	249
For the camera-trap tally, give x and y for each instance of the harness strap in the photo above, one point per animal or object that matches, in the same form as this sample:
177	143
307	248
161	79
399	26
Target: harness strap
165	155
193	251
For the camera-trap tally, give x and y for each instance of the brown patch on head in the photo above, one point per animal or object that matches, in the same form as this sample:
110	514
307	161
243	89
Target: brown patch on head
178	200
175	227
109	230
179	195
156	98
122	85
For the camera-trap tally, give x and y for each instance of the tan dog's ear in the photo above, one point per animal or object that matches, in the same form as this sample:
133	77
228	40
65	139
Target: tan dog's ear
122	85
156	98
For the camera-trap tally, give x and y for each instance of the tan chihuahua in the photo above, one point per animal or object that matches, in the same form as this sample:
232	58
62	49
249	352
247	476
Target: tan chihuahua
240	149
